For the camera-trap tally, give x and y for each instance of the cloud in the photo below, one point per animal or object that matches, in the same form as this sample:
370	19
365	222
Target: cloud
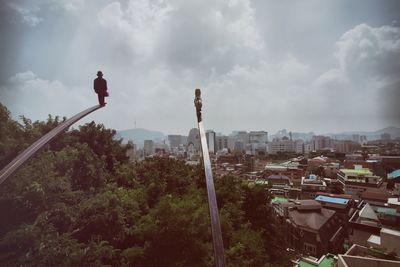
29	16
184	34
29	95
370	51
135	26
366	78
30	10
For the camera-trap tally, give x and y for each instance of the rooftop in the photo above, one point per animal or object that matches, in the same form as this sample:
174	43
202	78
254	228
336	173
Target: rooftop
261	182
278	177
334	200
390	231
279	199
362	256
388	211
394	174
327	260
308	213
362	171
368	213
375	195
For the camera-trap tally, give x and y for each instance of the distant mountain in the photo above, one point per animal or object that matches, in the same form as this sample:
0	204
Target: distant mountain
373	135
138	135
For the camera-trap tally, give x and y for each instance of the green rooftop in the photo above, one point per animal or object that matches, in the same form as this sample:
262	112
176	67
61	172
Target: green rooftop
362	171
261	182
279	199
327	261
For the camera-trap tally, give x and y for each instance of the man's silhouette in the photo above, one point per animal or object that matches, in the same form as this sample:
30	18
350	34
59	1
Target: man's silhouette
100	87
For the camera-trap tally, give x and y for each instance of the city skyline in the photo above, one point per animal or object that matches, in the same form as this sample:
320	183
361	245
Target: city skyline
311	66
232	132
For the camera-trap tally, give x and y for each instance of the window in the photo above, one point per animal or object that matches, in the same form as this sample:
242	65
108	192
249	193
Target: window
309	248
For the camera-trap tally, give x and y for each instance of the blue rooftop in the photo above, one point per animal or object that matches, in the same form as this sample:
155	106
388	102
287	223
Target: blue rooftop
394	174
335	200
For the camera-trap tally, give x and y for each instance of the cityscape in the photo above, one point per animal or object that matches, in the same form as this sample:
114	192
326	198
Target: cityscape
213	133
338	199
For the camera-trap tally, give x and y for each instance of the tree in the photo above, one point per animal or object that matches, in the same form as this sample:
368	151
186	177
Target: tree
79	201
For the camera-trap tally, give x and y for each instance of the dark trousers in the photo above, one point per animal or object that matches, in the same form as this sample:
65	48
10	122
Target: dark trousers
101	99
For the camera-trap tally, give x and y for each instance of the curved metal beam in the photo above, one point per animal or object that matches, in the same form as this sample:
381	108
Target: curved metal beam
11	167
219	255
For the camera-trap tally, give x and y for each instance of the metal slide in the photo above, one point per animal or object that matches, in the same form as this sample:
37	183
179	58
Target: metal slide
212	201
30	151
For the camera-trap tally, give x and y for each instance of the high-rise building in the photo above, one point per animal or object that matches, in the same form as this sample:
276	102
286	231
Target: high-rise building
148	147
320	142
258	137
194	138
131	153
176	140
281	146
346	146
222	142
239	146
211	141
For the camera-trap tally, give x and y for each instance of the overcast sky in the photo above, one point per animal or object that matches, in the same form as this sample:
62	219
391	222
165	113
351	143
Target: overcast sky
323	66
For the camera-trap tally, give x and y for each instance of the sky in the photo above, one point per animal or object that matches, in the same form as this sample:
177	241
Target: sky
322	66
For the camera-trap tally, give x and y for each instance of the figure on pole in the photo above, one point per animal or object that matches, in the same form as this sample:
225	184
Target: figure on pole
100	87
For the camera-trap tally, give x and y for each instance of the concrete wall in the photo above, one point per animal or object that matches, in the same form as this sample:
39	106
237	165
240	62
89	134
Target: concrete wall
390	242
360	237
356	261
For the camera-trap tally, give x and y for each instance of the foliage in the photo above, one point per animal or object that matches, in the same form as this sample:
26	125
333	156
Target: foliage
80	202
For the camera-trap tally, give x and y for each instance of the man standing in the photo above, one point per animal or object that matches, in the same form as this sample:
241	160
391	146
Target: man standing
100	87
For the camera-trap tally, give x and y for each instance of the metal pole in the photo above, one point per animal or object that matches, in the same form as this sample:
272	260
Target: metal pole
11	167
212	200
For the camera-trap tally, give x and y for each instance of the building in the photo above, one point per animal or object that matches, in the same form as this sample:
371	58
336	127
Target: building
363	224
132	152
211	141
240	136
148	147
375	197
281	146
388	240
239	146
342	204
310	185
258	137
294	169
310	228
257	149
222	142
327	260
389	163
366	257
319	142
357	180
374	165
331	169
194	139
176	140
346	146
278	179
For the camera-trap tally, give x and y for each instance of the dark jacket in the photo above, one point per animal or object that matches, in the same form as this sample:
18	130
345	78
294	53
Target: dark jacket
100	86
